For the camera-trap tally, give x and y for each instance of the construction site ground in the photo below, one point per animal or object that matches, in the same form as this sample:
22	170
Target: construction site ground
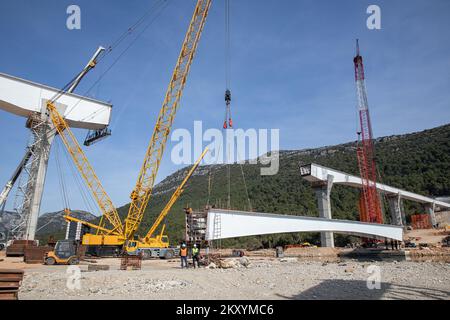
429	236
321	277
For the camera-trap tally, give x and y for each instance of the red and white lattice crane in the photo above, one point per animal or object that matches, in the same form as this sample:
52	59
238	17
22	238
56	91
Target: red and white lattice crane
370	207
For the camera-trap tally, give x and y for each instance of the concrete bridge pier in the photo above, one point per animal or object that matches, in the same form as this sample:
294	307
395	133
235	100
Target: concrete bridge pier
323	191
396	210
430	211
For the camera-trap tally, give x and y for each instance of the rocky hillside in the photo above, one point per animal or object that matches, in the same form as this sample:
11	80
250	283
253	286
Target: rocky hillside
51	223
419	162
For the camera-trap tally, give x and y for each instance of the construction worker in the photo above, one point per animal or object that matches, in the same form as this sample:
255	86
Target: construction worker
183	256
195	256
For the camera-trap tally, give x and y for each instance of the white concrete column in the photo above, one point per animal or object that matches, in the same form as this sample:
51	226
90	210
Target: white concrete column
39	186
323	192
396	210
430	211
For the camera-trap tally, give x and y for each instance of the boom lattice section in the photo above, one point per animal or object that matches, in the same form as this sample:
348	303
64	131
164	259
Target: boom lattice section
87	172
144	186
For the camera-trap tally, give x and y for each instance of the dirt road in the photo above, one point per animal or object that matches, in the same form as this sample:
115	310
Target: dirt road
265	278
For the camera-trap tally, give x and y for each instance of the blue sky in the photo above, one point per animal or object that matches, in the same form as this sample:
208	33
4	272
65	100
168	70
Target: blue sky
291	69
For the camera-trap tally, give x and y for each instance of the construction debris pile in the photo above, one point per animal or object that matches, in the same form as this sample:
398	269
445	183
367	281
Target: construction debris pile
220	263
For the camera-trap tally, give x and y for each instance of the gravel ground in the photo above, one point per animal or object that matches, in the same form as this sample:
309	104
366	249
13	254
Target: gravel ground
264	278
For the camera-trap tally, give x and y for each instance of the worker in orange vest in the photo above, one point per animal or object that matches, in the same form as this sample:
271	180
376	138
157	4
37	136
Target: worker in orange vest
183	255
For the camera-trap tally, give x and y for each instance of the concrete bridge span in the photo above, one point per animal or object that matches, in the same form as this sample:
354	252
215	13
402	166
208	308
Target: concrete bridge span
223	224
322	180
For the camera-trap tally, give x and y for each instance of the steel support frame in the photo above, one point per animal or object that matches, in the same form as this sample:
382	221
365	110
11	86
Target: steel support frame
29	193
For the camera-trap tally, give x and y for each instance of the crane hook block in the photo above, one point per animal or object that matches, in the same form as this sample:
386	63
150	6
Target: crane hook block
228	96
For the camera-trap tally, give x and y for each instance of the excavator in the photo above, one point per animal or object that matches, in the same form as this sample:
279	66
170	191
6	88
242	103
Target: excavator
110	232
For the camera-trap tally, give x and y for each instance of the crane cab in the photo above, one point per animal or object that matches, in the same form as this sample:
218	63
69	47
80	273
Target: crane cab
157	247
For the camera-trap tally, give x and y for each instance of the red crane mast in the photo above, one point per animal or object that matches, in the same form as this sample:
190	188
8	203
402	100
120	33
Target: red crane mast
370	207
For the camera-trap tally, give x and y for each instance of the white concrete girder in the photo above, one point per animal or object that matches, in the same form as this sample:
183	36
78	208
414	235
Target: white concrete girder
241	224
23	98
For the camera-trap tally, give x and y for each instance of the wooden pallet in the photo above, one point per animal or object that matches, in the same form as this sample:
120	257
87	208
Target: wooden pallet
135	262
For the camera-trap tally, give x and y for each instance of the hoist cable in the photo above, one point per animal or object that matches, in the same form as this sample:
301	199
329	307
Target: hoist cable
119	57
85	196
250	207
61	180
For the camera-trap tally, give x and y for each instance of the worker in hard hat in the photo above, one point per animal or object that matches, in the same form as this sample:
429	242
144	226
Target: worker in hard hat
183	256
195	255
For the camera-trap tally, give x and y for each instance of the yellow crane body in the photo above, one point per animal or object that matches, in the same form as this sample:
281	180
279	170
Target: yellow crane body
102	240
118	234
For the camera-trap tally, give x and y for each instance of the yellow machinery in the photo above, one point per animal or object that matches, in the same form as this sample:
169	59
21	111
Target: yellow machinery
65	252
117	233
149	246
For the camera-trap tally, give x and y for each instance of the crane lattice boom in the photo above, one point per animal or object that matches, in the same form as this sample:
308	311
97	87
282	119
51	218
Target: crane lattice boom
370	202
174	197
146	180
87	172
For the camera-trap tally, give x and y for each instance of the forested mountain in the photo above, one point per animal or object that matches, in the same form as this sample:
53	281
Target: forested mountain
418	162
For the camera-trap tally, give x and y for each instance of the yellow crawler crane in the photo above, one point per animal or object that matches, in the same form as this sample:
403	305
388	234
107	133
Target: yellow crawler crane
158	246
149	246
